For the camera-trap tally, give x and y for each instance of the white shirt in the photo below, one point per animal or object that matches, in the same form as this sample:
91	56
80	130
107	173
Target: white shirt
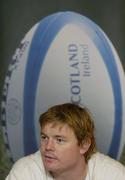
100	167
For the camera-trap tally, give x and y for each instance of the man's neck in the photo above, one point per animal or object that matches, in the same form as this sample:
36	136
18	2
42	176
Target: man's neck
79	174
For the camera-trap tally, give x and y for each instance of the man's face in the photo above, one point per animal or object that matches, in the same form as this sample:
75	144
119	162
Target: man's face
59	148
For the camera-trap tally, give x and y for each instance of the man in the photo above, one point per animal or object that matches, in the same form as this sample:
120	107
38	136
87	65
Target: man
68	150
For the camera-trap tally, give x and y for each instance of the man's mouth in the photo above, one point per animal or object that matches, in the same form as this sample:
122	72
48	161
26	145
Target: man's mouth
50	157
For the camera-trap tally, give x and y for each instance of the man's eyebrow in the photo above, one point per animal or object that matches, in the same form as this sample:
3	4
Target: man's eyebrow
56	135
60	136
41	133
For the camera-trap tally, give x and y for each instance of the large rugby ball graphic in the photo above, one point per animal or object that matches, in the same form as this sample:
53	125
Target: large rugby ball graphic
65	57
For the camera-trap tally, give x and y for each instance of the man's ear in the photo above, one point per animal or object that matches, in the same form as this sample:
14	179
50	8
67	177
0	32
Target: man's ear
85	146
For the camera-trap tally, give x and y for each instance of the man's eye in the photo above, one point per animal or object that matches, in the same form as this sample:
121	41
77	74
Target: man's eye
60	140
43	137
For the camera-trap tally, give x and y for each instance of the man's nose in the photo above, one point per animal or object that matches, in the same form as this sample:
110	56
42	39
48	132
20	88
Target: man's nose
50	145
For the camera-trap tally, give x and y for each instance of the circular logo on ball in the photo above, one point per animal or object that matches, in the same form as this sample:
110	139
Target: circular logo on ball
64	58
13	111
